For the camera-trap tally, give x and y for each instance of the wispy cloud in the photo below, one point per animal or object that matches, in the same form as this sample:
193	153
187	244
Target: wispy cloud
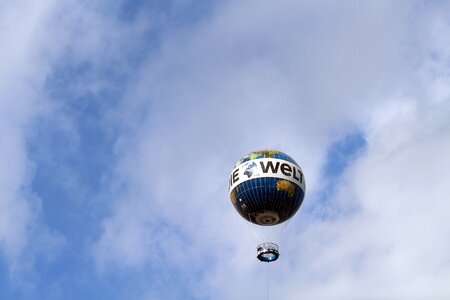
295	77
120	123
23	235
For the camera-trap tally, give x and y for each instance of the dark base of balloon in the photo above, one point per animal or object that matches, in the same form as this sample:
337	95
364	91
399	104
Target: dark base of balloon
267	201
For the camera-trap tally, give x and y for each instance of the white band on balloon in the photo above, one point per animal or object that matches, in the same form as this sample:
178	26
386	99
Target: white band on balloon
266	167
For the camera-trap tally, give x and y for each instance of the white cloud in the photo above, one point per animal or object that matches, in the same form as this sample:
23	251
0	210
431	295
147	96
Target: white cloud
41	41
22	234
293	76
390	239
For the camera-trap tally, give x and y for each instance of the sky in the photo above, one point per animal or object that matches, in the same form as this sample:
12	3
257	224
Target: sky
120	122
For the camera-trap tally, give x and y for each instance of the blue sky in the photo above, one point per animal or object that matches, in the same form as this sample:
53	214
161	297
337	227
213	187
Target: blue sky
120	123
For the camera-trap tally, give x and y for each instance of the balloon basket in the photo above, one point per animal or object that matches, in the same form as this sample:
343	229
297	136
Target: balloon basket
268	252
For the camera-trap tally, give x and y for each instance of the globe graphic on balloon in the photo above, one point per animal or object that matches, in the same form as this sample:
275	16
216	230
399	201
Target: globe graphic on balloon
267	187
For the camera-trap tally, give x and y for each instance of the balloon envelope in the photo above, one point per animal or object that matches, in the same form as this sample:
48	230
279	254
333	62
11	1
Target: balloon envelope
267	187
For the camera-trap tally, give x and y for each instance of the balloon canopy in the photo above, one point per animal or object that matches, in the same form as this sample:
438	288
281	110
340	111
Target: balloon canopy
267	187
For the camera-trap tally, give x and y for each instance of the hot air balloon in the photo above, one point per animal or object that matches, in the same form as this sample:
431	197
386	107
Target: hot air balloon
267	188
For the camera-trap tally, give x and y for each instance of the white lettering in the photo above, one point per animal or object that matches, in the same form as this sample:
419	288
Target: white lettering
266	167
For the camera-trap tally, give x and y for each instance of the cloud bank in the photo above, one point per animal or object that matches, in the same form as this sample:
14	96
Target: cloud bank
297	77
120	124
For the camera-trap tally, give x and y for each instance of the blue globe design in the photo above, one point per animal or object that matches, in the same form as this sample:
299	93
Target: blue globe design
266	200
